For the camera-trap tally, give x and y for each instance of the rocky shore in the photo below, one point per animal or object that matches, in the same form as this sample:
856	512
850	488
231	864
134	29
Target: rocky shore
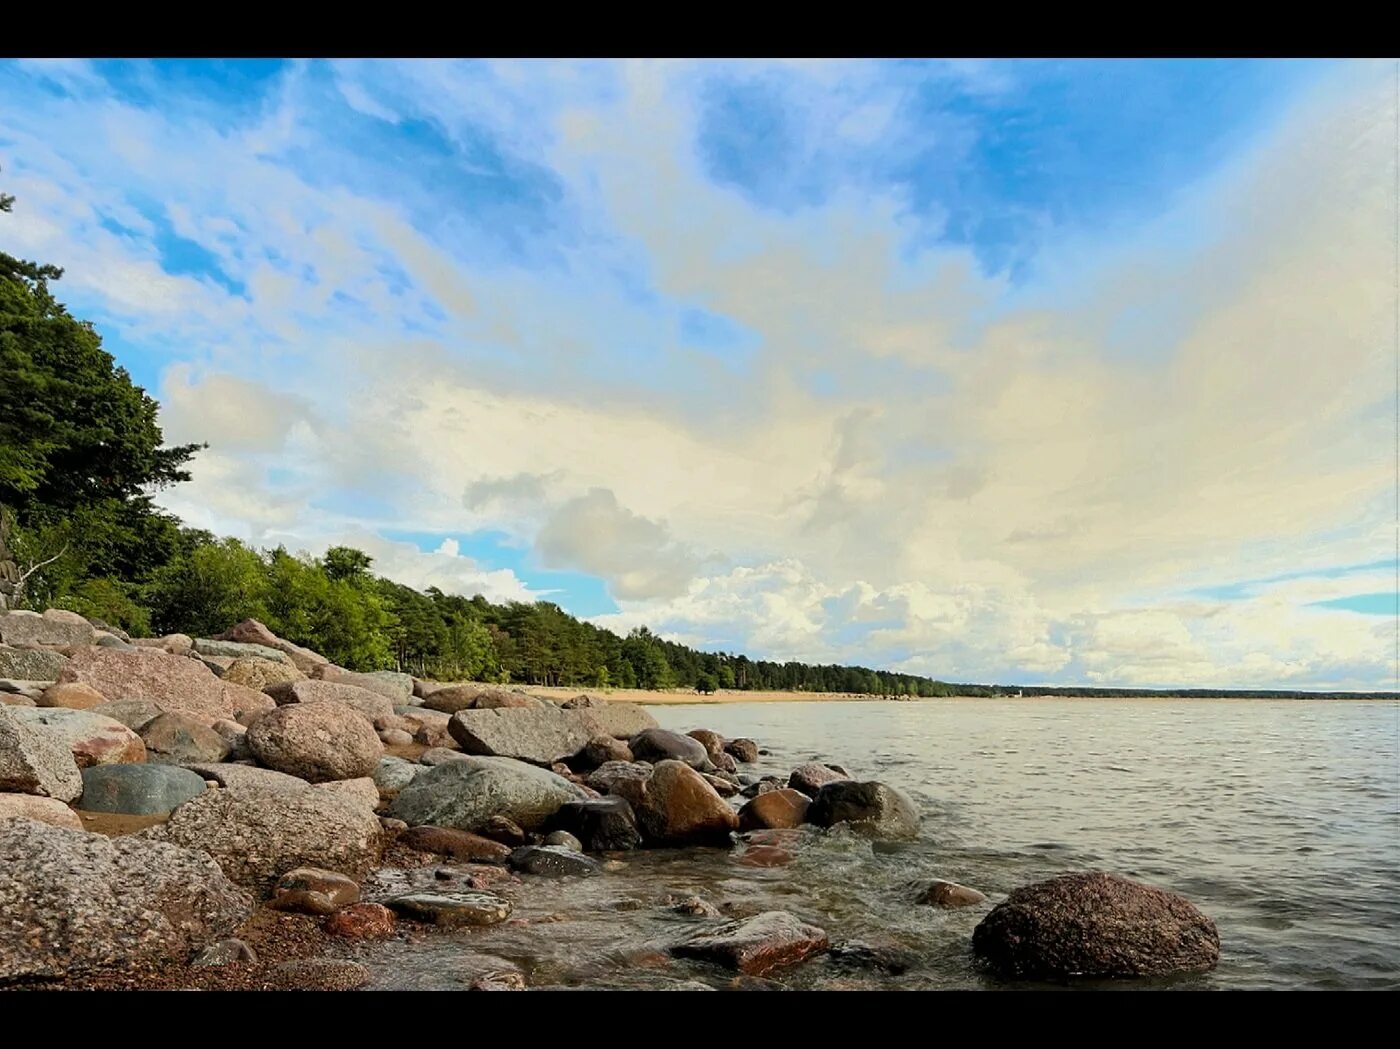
234	812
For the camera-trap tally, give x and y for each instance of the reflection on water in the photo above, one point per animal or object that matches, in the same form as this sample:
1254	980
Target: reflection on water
1281	820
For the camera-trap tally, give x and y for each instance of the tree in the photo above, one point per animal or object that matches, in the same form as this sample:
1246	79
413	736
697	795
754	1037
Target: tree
345	562
706	684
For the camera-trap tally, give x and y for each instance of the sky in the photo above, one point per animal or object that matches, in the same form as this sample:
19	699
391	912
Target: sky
1077	372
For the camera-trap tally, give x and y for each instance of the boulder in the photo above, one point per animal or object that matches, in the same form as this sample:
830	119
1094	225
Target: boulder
33	761
258	672
600	750
600	824
15	699
449	699
91	738
29	664
250	631
872	809
248	703
107	640
316	742
175	644
659	744
73	696
45	810
458	844
1095	925
173	739
713	742
213	648
392	685
623	778
584	702
742	749
361	791
73	902
756	945
391	775
552	861
949	894
395	737
440	756
453	908
813	776
774	810
56	627
311	890
139	790
235	737
725	788
133	713
503	829
436	735
182	685
677	807
369	705
361	921
563	839
621	720
249	781
465	794
256	839
540	735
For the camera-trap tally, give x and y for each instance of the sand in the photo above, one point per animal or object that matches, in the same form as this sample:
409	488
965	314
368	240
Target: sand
677	696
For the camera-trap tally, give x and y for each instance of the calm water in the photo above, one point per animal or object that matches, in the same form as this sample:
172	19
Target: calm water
1281	820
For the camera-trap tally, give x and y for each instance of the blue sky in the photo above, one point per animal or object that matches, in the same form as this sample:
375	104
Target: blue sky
1021	370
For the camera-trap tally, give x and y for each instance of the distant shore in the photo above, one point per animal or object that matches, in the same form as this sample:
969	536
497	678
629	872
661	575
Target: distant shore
680	697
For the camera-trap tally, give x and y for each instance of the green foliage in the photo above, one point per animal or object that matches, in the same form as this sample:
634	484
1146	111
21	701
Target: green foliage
207	587
706	684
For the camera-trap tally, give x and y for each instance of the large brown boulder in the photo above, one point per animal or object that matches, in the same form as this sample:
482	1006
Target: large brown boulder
369	705
33	761
813	776
91	738
713	742
72	902
775	810
316	741
1095	925
453	698
541	736
173	739
677	807
756	945
257	838
73	696
177	683
251	632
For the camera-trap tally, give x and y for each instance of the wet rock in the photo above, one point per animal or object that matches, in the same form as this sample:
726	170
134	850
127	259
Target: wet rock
312	890
697	907
713	742
465	794
91	738
948	894
56	628
33	761
45	810
886	958
361	791
236	650
250	631
392	685
182	685
506	980
873	809
757	945
812	777
173	739
742	749
763	786
723	787
600	825
765	856
540	735
622	720
316	741
454	908
504	830
369	705
31	664
777	809
249	781
1095	925
726	764
139	790
73	696
677	807
564	840
320	974
133	713
260	673
552	861
361	921
256	839
623	778
600	750
225	952
459	844
391	775
659	744
73	902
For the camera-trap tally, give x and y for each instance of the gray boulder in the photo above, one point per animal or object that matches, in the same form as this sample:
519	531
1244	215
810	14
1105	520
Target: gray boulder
29	664
541	735
55	627
369	705
873	809
466	794
659	744
206	646
34	762
91	738
396	687
249	781
138	790
73	902
620	720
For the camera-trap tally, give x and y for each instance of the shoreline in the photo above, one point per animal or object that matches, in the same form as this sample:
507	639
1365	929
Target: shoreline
676	697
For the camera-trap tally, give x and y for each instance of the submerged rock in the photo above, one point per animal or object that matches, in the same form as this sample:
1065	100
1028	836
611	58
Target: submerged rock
453	908
361	921
600	824
1095	925
757	945
139	790
552	861
949	894
73	902
871	808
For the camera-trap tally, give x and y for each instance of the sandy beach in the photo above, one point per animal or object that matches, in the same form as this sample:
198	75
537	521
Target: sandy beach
671	697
